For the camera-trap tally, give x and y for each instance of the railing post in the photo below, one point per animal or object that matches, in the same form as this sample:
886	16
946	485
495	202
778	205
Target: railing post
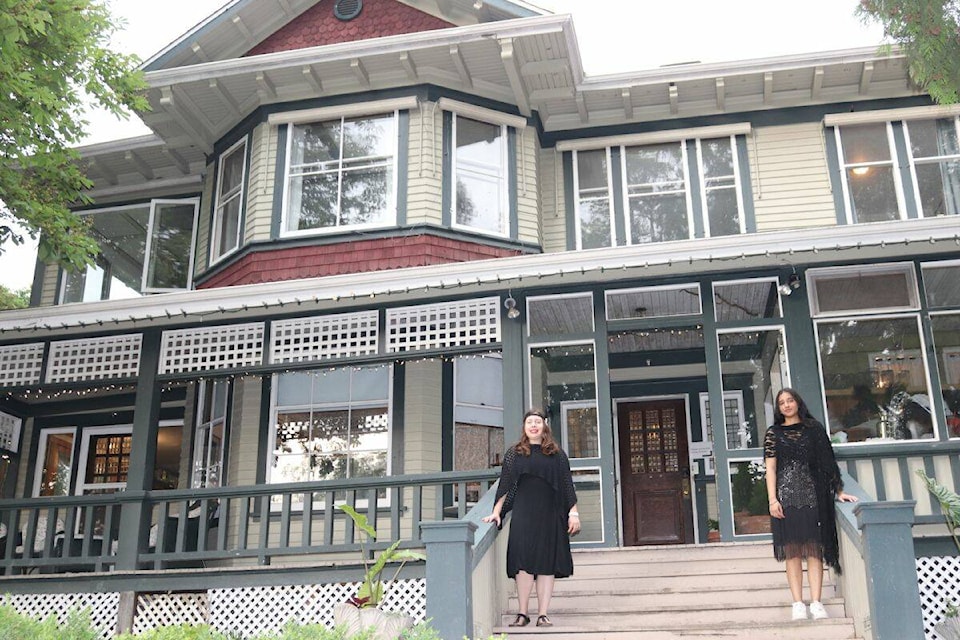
450	576
895	612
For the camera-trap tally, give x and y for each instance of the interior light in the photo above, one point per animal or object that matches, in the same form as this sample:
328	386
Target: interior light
861	171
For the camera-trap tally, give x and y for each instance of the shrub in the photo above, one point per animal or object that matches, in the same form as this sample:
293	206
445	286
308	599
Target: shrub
14	626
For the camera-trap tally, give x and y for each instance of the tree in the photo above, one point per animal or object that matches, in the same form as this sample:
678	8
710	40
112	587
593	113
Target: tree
53	59
928	32
19	299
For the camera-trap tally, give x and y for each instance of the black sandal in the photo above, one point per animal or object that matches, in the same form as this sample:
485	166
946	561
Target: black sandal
521	621
544	621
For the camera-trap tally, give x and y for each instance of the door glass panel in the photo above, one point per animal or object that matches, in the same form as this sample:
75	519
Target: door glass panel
57	465
748	486
754	364
561	374
946	340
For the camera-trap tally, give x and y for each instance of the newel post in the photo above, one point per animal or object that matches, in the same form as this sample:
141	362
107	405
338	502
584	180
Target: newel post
891	569
450	576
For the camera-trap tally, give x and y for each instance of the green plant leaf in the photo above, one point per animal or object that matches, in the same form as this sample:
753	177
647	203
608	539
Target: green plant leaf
359	519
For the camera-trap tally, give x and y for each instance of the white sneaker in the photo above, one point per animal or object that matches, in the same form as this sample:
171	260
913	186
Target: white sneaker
800	611
817	612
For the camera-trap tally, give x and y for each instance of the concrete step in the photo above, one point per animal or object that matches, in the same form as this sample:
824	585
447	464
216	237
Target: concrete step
679	567
670	601
655	584
672	553
833	629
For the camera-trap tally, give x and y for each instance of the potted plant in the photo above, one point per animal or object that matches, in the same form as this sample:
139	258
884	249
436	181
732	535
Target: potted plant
362	611
949	627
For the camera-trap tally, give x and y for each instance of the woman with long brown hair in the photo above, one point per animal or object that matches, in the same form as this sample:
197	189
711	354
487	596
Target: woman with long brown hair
536	484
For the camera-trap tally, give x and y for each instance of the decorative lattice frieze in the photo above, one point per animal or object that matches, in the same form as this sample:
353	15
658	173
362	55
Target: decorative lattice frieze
209	348
444	325
306	604
21	364
170	609
9	432
102	607
938	578
94	358
324	337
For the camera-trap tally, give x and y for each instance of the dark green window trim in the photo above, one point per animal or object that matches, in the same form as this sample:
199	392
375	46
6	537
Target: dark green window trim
279	181
616	183
903	167
397	412
214	197
403	160
833	168
693	171
569	201
446	197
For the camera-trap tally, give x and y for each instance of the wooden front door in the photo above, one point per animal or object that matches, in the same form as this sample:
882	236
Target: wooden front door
655	473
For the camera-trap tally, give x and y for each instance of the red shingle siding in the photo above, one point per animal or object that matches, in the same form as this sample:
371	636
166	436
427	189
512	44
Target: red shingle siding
318	26
351	257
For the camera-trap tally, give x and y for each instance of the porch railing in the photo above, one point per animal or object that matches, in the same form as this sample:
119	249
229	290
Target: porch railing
226	526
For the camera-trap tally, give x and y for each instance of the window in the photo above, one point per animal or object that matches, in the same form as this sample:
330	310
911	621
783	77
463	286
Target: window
341	174
146	248
941	291
55	453
877	287
479	166
871	186
594	199
653	302
229	204
210	436
105	452
935	162
656	183
477	415
719	172
331	424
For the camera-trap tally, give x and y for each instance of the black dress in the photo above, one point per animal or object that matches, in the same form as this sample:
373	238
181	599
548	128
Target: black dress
539	490
807	481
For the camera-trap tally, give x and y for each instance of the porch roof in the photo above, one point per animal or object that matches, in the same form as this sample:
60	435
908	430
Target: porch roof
884	241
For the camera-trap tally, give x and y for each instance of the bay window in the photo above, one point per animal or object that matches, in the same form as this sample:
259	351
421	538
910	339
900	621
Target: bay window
480	177
229	201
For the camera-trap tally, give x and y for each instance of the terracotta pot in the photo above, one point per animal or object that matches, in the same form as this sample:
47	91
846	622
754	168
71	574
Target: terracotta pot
386	624
713	536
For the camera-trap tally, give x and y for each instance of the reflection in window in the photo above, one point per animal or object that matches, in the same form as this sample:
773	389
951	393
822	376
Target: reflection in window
868	173
594	206
941	285
341	173
736	301
226	214
581	431
478	412
560	315
753	363
589	505
720	175
171	238
331	424
935	153
863	289
748	486
57	456
656	183
946	340
210	437
480	159
561	373
874	377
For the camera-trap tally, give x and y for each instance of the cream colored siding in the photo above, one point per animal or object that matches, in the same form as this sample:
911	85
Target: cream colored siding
422	420
789	176
425	165
553	209
244	432
261	182
48	291
202	258
25	443
528	200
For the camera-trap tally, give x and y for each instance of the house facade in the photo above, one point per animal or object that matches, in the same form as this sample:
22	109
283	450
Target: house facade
363	237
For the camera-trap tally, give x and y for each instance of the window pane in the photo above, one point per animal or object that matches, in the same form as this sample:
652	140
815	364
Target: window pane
746	300
888	289
581	427
232	169
122	236
561	316
478	413
933	138
724	218
363	138
369	428
315	144
479	381
479	201
754	367
658	218
561	374
594	223
655	167
370	383
946	340
872	194
330	432
654	302
873	372
479	143
83	286
293	389
365	195
313	201
939	186
748	486
57	465
592	171
171	246
368	464
941	285
228	226
589	504
864	143
293	429
717	156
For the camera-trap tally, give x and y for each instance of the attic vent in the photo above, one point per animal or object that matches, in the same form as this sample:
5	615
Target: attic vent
347	9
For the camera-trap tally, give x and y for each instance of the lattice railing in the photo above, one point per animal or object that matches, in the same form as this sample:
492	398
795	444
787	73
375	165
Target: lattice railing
102	607
94	358
324	337
209	348
443	325
21	364
938	578
170	609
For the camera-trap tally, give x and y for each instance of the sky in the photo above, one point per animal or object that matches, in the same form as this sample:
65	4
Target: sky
614	36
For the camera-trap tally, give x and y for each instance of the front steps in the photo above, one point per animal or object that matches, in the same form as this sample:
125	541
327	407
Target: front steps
716	591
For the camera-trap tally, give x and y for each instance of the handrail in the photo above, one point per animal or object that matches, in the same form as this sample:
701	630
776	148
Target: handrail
845	514
486	532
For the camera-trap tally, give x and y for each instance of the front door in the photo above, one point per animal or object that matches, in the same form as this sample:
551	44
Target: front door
655	472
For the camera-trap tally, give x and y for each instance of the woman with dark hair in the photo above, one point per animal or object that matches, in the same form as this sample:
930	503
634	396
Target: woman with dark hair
536	483
803	480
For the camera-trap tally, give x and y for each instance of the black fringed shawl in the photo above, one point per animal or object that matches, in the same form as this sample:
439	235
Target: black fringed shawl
826	477
556	473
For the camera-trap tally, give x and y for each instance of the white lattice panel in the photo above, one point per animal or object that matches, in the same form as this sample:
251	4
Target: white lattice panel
94	358
938	578
102	607
9	432
170	609
324	337
306	604
21	364
207	348
439	326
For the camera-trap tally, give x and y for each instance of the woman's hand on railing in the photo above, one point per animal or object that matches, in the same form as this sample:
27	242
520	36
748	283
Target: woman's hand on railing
846	497
494	518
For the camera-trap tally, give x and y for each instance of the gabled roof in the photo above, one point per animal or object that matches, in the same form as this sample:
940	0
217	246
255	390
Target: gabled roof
239	25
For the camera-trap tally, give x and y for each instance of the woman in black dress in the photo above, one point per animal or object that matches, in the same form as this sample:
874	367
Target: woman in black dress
803	481
535	482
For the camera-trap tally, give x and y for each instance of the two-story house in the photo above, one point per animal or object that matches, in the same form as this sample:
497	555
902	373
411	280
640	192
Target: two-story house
364	236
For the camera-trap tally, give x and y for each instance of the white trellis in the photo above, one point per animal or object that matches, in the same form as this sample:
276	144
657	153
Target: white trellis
443	325
9	432
94	358
938	578
102	607
323	337
21	364
208	348
170	609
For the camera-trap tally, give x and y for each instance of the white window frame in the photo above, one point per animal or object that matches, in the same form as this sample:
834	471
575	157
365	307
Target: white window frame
737	184
590	474
893	163
42	453
85	437
561	296
565	407
205	428
625	196
485	172
707	435
664	287
579	199
535	402
730	472
391	216
220	206
813	276
193	243
926	160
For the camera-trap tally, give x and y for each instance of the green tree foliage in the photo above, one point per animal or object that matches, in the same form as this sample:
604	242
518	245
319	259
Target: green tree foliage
928	32
14	299
53	59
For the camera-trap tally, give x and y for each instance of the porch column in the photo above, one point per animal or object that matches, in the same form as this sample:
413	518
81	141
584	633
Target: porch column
891	569
450	576
134	519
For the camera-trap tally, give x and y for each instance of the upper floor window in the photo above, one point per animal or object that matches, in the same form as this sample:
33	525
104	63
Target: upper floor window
594	199
229	201
656	183
870	184
935	161
144	248
341	174
479	166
